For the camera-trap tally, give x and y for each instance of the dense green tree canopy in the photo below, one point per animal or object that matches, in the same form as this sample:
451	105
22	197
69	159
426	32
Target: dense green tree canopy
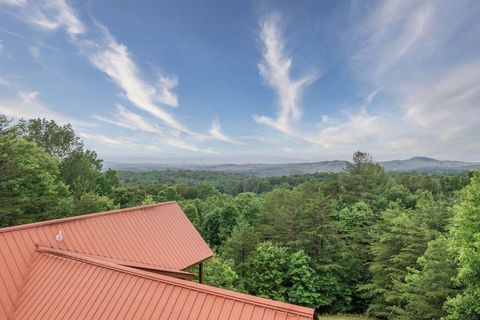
30	185
57	140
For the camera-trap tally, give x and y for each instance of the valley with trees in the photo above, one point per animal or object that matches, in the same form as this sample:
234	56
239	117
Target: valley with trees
387	245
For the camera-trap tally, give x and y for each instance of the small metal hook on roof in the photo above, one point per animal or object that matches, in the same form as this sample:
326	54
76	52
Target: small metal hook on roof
59	236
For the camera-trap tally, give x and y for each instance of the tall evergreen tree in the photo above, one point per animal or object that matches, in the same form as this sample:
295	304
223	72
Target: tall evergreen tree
240	245
465	245
427	287
399	239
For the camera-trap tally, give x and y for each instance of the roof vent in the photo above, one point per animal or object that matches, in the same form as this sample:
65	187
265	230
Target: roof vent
59	236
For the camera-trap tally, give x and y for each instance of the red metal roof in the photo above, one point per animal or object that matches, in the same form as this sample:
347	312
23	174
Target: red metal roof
150	237
63	285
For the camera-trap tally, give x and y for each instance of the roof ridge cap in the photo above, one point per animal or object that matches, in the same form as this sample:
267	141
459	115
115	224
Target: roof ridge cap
83	216
284	306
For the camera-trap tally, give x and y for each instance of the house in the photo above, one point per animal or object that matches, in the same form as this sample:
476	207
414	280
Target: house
121	264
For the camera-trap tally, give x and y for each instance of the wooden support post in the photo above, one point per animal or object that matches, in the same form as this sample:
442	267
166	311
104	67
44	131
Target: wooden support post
201	274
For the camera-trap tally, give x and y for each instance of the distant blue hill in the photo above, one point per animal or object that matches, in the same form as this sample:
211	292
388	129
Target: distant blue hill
416	164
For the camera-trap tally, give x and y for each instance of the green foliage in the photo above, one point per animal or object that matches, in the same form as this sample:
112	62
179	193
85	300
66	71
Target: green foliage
148	200
80	170
362	163
4	124
170	193
91	202
365	181
107	182
399	238
192	213
30	188
303	281
267	271
57	140
221	273
427	287
355	224
206	190
248	205
129	196
465	245
240	245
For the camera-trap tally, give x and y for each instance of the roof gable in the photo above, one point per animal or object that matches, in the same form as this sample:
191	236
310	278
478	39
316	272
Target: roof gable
158	236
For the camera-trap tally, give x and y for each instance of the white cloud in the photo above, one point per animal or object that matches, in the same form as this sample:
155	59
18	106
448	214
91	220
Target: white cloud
371	96
216	133
130	120
165	94
105	139
388	35
109	56
29	106
114	59
355	129
13	2
1	45
452	100
178	143
275	69
49	14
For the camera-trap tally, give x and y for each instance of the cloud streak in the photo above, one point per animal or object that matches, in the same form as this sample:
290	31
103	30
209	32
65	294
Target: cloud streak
129	120
49	15
216	133
114	59
111	57
275	69
27	105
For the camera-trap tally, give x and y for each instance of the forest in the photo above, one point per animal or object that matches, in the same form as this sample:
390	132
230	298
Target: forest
363	241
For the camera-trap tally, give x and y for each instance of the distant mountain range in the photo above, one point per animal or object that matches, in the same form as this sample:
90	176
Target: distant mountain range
416	164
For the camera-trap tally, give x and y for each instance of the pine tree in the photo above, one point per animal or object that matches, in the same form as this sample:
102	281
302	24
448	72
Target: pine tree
465	245
427	287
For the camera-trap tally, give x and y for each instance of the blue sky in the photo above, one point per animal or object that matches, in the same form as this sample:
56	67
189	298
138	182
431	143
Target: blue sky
248	81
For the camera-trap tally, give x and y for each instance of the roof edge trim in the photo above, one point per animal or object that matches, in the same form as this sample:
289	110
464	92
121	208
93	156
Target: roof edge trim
83	216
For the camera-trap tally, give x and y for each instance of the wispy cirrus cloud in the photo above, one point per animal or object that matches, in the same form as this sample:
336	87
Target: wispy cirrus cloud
114	59
48	14
28	105
216	133
13	2
427	71
127	119
389	34
275	69
404	52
